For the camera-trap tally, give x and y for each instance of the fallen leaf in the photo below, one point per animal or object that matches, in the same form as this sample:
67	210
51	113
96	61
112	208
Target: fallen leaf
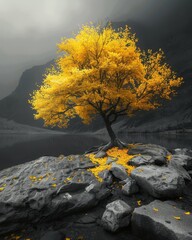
177	218
187	213
139	202
1	189
54	185
156	209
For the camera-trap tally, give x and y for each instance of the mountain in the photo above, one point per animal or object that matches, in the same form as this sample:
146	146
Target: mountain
175	42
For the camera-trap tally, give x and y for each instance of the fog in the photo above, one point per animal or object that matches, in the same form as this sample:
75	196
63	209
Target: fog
30	30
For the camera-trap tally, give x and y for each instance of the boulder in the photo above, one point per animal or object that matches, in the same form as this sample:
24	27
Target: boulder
46	188
161	221
119	171
141	160
159	182
130	187
106	176
116	215
181	171
149	149
183	151
183	160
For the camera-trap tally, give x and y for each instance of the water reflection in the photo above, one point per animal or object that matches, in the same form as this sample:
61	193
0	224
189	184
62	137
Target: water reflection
18	148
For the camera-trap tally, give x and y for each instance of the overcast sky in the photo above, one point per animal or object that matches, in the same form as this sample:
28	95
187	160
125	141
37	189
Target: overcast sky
30	29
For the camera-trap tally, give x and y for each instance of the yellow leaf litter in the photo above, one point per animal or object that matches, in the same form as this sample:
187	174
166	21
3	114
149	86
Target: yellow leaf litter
115	153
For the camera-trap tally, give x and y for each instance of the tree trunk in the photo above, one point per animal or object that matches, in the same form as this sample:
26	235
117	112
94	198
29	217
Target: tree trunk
115	142
110	131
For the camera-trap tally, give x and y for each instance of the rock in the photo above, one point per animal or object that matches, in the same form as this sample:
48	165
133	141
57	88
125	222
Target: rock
47	188
160	160
149	149
119	171
53	235
159	182
156	221
87	219
183	160
183	151
141	160
99	189
116	215
130	187
106	176
101	154
110	160
181	171
190	173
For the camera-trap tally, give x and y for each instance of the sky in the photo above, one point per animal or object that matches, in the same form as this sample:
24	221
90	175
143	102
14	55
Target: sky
30	30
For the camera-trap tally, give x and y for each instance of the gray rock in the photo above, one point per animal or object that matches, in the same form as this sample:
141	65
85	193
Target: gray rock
149	149
116	215
183	151
106	176
130	187
141	160
181	171
161	224
119	171
160	160
159	182
53	235
110	160
47	188
190	173
101	154
183	160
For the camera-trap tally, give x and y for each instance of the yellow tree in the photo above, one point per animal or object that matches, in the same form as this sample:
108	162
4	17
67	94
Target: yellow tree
101	71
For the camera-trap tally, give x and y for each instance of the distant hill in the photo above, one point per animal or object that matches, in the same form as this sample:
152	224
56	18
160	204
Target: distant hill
176	44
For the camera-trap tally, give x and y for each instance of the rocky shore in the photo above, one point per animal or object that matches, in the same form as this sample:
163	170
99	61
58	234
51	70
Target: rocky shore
60	197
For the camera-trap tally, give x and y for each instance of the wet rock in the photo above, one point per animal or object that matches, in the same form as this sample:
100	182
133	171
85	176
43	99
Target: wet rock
159	182
181	171
183	160
130	187
141	160
160	160
116	215
53	235
119	171
183	151
149	149
106	176
156	221
101	154
47	188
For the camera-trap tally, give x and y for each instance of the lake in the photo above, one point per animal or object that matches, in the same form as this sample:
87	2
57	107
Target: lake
20	148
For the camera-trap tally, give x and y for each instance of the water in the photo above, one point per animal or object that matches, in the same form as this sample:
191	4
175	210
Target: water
20	148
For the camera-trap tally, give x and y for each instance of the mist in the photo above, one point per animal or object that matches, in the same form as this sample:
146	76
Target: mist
30	30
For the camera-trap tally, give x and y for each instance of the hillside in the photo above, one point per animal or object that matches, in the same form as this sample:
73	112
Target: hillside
176	43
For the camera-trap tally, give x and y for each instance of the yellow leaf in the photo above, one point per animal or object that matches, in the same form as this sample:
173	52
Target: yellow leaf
139	202
155	209
1	189
177	218
187	213
54	185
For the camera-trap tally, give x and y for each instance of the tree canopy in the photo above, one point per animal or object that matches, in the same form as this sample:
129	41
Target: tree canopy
102	71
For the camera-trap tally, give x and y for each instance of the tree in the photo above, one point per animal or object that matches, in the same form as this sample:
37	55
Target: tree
101	71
